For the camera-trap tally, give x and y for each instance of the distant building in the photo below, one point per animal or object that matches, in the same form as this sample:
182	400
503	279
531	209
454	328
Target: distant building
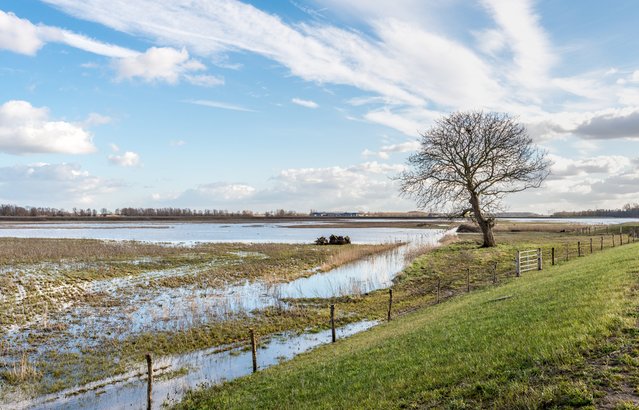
335	214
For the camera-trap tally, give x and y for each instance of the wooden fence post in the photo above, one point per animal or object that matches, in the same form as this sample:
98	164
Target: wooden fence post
517	265
149	387
540	265
613	240
620	239
601	243
439	284
590	245
552	256
333	337
253	349
495	273
578	248
468	280
390	303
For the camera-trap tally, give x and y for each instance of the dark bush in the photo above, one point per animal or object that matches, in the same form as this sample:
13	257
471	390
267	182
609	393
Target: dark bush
321	241
467	228
333	240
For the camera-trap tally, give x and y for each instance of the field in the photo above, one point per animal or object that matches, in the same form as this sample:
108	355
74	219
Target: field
75	311
562	337
91	309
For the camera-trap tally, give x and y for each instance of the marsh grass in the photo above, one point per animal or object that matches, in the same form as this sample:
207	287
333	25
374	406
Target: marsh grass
349	253
21	372
43	279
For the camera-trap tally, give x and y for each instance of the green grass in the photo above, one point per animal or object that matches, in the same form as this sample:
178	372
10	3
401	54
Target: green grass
532	349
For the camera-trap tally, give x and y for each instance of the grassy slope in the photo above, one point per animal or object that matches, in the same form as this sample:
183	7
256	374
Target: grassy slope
469	352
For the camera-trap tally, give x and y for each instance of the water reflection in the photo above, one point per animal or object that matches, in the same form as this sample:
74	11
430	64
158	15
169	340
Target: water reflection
202	367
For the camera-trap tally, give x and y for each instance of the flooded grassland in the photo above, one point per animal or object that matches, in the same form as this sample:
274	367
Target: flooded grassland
76	312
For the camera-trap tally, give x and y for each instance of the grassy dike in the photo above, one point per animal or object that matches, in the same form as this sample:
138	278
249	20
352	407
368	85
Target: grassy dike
562	337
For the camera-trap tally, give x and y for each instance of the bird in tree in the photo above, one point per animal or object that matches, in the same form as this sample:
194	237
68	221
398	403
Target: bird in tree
468	162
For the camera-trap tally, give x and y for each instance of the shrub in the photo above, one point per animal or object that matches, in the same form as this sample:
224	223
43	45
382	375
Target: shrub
333	240
321	241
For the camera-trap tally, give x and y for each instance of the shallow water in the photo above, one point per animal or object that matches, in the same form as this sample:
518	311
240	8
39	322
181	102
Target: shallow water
189	232
200	232
204	367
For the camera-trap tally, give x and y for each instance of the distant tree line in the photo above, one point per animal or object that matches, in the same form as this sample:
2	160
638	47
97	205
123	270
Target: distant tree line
15	210
630	210
28	211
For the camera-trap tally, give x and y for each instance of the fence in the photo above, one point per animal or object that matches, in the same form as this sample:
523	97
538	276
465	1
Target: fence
436	289
528	260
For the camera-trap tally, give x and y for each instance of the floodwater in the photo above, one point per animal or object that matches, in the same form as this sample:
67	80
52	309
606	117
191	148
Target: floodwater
204	367
155	309
188	233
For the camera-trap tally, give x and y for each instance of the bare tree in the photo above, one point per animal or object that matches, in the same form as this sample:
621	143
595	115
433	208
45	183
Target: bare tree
468	162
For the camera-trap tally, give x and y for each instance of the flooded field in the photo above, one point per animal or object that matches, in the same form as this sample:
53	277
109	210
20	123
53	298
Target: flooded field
77	324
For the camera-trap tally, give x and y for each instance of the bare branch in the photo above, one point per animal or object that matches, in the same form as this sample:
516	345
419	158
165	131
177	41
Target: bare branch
473	158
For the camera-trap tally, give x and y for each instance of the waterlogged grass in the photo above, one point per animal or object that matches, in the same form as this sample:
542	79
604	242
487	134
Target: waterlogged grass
562	337
40	275
43	279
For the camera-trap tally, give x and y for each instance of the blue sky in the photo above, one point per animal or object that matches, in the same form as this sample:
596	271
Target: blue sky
304	104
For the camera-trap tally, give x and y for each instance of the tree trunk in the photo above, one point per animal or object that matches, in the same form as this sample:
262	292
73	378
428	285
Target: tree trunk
485	224
487	231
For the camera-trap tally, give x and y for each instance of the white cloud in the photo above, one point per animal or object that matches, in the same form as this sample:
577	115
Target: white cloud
22	36
57	35
491	41
410	121
407	63
385	151
362	186
127	159
157	64
225	191
177	143
218	104
18	35
43	184
25	129
588	183
304	103
563	168
522	32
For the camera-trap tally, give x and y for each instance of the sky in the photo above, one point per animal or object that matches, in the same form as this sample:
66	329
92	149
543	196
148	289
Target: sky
301	105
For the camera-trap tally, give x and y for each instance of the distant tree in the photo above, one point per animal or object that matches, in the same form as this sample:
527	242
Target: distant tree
468	162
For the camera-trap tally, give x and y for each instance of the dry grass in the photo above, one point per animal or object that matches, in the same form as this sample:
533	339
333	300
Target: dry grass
348	253
22	371
33	250
507	226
